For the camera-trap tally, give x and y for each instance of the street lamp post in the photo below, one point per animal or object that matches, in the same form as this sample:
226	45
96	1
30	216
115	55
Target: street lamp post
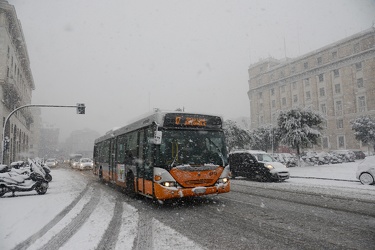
80	110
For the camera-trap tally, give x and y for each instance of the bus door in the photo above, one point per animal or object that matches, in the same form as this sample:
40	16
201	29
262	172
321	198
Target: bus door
139	163
144	166
112	160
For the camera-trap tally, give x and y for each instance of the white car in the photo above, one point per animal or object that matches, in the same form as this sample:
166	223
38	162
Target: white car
52	162
366	171
85	163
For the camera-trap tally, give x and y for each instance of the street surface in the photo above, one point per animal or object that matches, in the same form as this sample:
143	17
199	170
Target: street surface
79	212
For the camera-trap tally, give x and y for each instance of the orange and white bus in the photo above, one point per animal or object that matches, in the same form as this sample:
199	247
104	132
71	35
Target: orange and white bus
165	155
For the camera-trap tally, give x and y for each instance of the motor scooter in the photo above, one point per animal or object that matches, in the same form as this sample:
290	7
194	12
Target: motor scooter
13	181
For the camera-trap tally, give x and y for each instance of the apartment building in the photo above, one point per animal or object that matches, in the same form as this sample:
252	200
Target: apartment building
338	80
16	84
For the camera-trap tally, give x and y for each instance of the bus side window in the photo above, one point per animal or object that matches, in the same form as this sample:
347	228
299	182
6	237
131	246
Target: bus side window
131	148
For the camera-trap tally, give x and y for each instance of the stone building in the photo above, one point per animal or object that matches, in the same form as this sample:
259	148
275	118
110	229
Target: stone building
16	84
338	80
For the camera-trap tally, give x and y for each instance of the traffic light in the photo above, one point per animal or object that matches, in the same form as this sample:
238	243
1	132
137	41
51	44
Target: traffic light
81	108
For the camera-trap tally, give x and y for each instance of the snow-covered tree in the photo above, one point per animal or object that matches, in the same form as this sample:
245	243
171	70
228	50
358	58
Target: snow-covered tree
300	128
265	137
364	129
236	137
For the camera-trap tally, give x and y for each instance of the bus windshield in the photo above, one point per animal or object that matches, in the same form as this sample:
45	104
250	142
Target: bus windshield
193	147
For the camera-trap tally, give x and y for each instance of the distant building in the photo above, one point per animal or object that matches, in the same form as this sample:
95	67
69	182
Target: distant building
49	140
338	80
16	84
82	142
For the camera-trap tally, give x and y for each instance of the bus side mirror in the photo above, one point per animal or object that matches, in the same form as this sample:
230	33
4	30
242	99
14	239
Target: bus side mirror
157	137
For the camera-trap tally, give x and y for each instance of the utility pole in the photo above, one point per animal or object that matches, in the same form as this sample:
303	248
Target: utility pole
80	110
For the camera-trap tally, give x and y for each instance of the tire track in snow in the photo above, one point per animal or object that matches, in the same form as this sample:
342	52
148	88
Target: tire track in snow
110	236
29	241
59	239
144	239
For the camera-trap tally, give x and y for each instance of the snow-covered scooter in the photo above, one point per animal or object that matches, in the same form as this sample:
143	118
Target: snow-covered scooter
14	181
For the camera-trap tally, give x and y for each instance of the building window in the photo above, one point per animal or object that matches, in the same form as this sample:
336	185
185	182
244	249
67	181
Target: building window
324	124
341	141
293	69
308	95
358	66
361	104
323	108
356	48
307	82
322	92
261	106
319	60
282	74
340	123
272	76
338	108
273	117
334	54
261	69
321	78
283	101
360	82
336	73
306	65
272	91
260	95
295	98
273	103
325	142
261	119
282	89
294	85
337	88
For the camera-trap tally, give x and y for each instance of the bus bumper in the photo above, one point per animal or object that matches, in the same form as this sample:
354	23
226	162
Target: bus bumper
165	193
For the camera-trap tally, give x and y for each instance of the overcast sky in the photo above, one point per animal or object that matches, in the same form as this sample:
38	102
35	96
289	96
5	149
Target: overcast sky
123	58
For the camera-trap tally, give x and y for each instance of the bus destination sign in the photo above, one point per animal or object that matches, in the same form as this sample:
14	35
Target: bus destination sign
192	120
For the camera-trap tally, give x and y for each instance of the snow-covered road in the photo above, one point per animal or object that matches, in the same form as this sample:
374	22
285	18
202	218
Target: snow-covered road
77	214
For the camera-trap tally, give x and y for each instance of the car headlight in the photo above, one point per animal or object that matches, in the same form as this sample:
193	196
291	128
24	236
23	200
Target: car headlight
269	166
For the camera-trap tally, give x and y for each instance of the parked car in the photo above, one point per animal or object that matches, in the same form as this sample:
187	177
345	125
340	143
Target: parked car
289	159
257	165
345	155
359	155
51	162
366	171
85	163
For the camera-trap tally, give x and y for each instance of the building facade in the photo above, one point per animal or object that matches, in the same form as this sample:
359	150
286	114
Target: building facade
338	80
16	85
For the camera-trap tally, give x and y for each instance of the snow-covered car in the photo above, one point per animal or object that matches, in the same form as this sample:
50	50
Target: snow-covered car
257	165
345	155
85	163
359	155
51	162
366	171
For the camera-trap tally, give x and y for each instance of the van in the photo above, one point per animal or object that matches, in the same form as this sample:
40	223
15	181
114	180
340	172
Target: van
257	165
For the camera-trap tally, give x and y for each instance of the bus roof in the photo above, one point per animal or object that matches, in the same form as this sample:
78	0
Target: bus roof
158	117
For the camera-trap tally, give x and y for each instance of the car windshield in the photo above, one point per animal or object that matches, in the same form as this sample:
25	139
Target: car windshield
264	157
192	147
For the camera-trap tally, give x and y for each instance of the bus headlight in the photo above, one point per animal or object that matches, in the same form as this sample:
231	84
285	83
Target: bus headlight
169	184
223	180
